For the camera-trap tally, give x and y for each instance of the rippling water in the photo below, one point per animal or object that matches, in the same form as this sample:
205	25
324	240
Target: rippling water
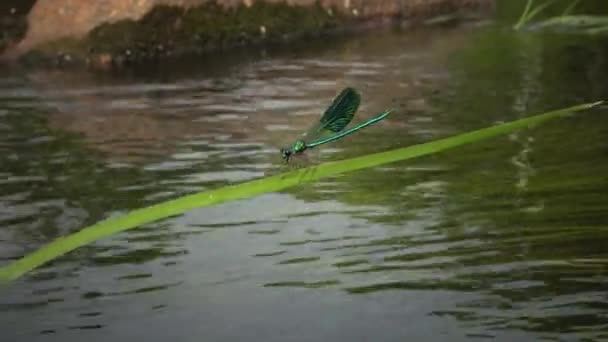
503	240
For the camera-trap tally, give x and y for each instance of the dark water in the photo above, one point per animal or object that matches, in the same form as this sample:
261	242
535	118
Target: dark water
505	239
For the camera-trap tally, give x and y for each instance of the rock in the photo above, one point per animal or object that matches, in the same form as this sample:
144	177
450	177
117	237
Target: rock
135	29
54	19
102	61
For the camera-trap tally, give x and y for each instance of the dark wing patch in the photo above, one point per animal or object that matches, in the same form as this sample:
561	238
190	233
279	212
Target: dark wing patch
341	111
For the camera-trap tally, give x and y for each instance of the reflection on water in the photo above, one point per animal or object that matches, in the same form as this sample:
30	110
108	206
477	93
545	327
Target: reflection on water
500	240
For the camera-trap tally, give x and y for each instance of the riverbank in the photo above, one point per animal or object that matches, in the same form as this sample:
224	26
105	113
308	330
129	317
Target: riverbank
133	33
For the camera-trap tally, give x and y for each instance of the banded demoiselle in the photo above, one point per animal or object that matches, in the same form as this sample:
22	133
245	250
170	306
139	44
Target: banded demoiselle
336	117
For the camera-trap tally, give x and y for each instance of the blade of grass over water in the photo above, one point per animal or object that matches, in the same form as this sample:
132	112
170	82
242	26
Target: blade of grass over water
581	23
530	12
178	206
585	24
571	7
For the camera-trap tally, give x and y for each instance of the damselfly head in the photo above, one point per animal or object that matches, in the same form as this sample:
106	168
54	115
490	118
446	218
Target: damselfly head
286	153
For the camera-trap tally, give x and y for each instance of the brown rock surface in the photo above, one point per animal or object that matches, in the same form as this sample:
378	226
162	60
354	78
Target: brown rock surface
52	19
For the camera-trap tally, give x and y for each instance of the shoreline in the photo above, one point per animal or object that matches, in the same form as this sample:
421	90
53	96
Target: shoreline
166	32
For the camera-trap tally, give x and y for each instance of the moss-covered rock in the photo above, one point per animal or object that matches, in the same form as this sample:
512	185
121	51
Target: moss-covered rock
168	30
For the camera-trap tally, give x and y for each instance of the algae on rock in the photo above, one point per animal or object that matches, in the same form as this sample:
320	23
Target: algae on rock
169	30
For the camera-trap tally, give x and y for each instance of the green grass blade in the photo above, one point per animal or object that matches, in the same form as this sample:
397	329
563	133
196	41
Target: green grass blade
539	9
575	23
178	206
524	15
599	30
571	7
529	14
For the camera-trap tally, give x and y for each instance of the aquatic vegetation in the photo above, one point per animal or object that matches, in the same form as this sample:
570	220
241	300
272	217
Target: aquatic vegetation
568	22
587	24
265	185
530	12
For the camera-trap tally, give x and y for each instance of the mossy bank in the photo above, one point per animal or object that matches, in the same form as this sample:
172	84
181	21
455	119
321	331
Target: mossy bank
169	31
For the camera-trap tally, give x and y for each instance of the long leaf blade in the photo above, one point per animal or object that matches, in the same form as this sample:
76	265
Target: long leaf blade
178	206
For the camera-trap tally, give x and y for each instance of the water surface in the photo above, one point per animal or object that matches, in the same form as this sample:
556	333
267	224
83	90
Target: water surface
501	240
